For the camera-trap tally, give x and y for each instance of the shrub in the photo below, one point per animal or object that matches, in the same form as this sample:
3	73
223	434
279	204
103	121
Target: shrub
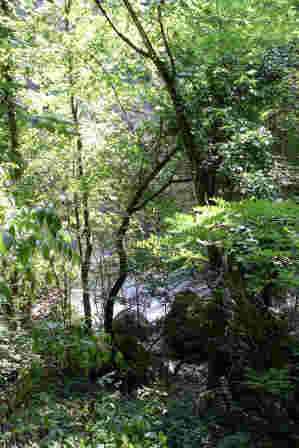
181	427
76	352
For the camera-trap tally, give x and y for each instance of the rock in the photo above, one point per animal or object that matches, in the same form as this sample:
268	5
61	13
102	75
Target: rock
130	330
138	362
195	333
132	323
194	327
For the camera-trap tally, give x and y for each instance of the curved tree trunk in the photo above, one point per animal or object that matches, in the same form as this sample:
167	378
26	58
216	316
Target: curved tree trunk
137	203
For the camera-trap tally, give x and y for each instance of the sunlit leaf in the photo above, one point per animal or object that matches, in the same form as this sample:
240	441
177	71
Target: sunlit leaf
6	241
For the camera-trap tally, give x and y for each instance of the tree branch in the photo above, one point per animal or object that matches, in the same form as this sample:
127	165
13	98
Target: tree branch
167	48
134	207
184	126
124	111
121	35
181	181
163	188
151	52
123	259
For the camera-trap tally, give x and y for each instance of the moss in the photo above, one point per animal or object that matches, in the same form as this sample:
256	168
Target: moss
139	360
192	327
132	323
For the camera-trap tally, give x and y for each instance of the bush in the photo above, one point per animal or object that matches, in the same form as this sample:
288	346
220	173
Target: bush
181	427
75	351
254	242
128	423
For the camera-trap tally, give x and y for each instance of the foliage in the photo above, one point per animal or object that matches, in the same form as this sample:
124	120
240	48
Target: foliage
74	351
32	239
255	238
238	440
232	100
129	424
260	185
90	420
274	381
181	427
275	393
89	129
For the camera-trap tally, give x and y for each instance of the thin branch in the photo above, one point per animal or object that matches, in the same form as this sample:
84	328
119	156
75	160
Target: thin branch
167	48
13	129
133	207
163	188
121	35
74	109
151	52
153	149
124	111
123	258
157	193
68	7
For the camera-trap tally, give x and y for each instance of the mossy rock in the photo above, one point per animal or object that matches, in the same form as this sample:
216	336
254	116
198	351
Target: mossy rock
130	329
194	327
139	360
132	323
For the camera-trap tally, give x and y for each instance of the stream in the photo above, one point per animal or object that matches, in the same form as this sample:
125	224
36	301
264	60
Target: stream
152	312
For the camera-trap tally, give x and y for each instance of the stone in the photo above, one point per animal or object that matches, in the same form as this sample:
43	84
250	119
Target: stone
194	328
129	322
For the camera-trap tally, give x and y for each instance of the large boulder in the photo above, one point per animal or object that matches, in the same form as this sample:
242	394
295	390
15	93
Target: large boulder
129	322
138	360
130	330
194	328
195	332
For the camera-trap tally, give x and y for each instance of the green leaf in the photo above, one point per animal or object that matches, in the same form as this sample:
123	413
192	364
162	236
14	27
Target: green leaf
5	31
40	214
46	252
3	108
5	290
6	241
12	84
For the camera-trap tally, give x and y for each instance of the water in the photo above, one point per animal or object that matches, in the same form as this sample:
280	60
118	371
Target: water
154	311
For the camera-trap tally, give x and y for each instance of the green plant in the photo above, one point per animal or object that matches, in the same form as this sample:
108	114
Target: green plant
275	381
254	241
121	423
237	440
76	351
179	424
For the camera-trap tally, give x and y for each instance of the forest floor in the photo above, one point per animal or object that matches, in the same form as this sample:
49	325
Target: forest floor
38	410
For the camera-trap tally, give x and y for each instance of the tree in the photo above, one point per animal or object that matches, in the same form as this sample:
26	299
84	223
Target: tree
205	73
77	194
12	113
220	31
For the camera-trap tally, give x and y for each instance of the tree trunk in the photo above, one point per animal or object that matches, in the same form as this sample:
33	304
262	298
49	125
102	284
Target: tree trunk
84	234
